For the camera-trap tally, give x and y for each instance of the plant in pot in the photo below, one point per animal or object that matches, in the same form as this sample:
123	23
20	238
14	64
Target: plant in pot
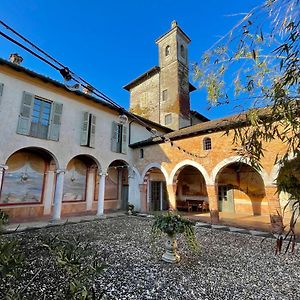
172	224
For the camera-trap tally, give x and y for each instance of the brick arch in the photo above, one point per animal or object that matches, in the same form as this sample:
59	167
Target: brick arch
147	170
176	170
234	159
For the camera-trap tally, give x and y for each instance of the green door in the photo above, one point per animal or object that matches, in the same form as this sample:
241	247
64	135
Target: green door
225	198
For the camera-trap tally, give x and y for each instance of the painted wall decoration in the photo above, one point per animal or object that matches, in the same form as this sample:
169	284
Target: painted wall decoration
75	181
23	181
111	185
191	184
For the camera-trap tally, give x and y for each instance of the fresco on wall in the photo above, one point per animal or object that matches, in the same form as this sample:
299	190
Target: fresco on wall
111	185
23	181
75	181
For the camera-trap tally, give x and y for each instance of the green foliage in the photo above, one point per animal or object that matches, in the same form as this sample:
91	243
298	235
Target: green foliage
172	223
257	65
79	261
3	218
11	258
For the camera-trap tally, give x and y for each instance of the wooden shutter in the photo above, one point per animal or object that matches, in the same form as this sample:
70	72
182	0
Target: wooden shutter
25	114
92	131
114	137
84	135
55	121
124	139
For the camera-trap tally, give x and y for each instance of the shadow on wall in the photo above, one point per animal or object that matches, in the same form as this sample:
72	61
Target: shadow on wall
241	190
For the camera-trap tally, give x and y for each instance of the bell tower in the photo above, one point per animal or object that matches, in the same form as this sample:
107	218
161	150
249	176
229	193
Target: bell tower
174	81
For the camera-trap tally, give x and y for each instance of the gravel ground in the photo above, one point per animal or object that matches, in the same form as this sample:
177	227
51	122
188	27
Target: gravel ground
227	266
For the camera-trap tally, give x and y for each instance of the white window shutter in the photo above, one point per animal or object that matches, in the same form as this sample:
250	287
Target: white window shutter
114	137
85	129
55	122
92	131
25	114
124	140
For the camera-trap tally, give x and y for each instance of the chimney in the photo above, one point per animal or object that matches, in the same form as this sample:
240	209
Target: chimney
15	58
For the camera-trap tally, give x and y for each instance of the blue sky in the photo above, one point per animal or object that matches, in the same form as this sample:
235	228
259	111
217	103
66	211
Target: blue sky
109	43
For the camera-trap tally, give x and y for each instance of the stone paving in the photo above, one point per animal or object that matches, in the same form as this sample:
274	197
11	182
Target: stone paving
228	265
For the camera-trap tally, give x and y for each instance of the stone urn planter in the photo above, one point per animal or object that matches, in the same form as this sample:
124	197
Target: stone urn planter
171	255
173	224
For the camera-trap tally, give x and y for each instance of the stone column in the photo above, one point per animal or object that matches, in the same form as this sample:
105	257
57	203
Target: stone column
274	209
213	203
101	191
171	189
143	194
48	192
2	171
58	195
90	188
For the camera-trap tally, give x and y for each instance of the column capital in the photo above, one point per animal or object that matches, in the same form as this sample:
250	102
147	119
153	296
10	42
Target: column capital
102	174
58	171
3	167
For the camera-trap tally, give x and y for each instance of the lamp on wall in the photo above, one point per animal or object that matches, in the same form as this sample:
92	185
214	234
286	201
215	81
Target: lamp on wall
123	119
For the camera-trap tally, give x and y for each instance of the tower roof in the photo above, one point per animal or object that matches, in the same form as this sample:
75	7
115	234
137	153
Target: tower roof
174	27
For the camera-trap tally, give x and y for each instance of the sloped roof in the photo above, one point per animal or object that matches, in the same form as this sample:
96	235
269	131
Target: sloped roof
56	83
198	129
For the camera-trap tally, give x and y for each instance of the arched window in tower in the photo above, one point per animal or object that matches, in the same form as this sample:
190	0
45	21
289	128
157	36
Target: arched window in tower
207	143
167	50
182	51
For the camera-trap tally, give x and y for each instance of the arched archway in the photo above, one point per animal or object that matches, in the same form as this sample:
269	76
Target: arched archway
288	185
154	180
240	190
116	186
191	192
28	182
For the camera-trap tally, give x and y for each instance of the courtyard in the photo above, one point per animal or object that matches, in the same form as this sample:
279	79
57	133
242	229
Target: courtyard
226	266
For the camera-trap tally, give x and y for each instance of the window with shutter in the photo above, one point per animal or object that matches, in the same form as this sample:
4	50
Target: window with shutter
88	130
119	138
39	118
92	131
25	114
55	123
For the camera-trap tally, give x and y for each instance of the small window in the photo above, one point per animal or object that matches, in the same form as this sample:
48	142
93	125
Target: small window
141	153
167	50
119	138
88	130
182	51
207	144
168	119
165	95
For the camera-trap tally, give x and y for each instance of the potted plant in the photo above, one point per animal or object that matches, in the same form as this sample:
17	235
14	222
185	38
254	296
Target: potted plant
172	224
130	208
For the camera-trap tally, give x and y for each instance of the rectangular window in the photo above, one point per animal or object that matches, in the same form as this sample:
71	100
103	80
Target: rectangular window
141	153
168	119
39	117
222	192
88	130
119	138
165	95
